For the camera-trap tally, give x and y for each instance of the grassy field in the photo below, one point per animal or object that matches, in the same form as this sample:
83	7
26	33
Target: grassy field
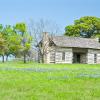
34	81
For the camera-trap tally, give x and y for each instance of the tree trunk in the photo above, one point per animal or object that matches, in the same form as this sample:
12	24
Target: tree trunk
42	58
24	58
6	57
3	59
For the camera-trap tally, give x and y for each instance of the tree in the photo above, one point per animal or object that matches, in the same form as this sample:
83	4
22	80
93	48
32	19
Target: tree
26	39
15	44
8	33
37	30
87	26
20	28
4	43
3	47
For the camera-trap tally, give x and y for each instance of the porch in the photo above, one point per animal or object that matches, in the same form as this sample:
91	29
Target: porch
79	55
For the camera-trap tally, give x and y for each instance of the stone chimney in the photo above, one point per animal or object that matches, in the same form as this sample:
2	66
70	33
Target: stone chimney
45	37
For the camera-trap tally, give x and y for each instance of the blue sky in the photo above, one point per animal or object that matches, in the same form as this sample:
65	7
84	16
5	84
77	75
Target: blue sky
63	12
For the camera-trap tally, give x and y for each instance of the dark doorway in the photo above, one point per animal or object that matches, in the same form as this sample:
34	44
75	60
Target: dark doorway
76	58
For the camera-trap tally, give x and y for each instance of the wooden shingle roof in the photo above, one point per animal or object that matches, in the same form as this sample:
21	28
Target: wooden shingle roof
64	41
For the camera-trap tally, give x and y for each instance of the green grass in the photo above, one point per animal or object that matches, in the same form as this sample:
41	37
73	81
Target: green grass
33	81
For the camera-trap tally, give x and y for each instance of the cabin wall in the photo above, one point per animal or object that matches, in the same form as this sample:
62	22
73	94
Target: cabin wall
86	56
91	59
83	58
61	55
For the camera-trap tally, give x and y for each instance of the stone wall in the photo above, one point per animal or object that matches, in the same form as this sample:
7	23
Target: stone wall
58	55
52	57
55	56
98	58
83	58
90	56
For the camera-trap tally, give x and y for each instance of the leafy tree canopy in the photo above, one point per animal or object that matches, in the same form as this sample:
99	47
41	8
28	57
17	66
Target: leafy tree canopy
21	27
26	39
15	40
87	26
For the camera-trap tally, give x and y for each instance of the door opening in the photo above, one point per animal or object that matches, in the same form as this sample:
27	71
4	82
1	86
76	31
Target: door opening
76	58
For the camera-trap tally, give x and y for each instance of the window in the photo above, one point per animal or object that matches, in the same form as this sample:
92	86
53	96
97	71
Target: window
95	58
63	55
